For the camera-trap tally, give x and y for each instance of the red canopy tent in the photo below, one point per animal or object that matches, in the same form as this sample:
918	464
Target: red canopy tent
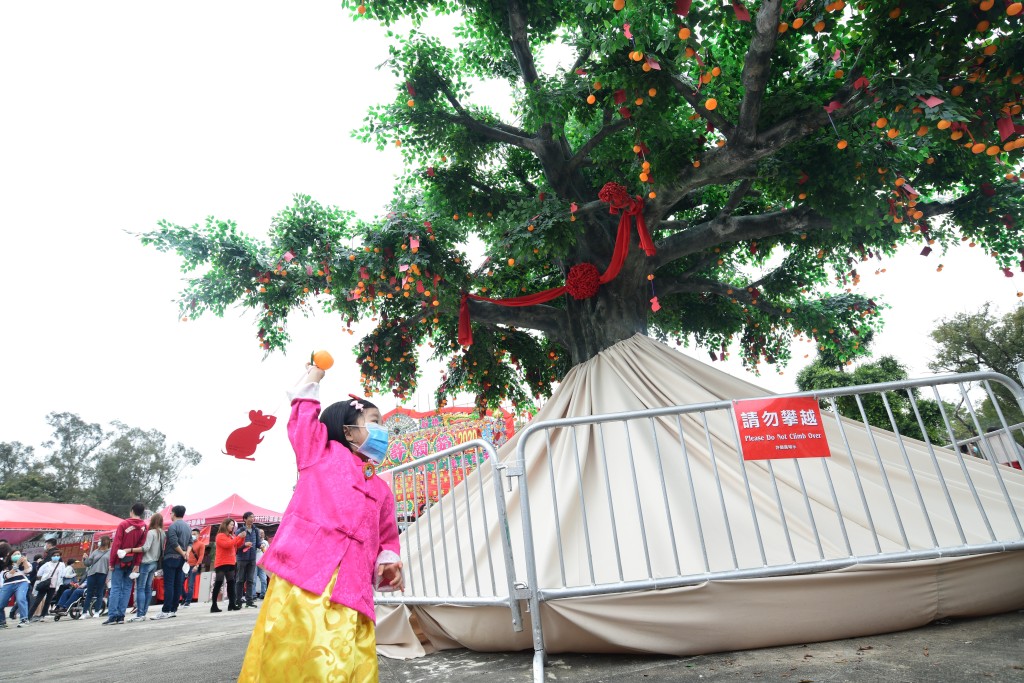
233	506
18	514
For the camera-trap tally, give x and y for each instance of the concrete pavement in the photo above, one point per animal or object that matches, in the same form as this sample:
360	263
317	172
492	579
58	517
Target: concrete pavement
199	646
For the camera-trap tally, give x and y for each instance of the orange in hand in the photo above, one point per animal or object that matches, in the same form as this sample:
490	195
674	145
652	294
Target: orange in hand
322	359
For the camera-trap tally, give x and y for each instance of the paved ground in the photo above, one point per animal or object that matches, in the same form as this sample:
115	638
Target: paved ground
199	646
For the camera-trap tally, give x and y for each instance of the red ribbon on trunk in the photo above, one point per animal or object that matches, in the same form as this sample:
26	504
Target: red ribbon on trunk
621	203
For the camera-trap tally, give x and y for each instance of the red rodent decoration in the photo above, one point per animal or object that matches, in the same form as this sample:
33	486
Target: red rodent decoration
583	281
242	442
579	282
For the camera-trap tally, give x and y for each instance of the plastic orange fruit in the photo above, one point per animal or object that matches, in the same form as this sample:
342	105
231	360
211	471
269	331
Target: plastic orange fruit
783	27
957	91
684	33
618	5
993	150
322	359
895	13
591	99
882	122
842	144
943	124
892	132
711	104
1014	9
978	147
361	9
982	26
986	5
798	22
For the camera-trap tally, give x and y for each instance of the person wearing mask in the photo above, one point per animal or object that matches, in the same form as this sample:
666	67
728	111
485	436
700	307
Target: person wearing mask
68	577
14	571
97	565
224	562
195	565
125	556
48	578
179	540
245	571
152	550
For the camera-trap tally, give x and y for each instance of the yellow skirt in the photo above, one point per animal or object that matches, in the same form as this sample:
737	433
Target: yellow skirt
304	637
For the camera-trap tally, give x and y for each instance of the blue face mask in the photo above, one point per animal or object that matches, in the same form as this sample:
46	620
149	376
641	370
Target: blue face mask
55	558
16	557
375	448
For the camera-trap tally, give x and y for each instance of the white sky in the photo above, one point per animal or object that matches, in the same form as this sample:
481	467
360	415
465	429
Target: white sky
118	114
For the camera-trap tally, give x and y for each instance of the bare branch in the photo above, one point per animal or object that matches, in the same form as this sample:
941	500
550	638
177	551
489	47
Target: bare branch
583	152
690	94
547	319
756	69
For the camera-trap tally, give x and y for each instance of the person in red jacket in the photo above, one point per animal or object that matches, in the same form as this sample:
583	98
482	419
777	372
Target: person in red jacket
224	562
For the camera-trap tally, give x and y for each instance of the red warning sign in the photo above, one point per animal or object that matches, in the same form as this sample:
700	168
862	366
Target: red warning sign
772	428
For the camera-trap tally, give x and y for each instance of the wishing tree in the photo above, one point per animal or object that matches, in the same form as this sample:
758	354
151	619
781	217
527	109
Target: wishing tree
716	173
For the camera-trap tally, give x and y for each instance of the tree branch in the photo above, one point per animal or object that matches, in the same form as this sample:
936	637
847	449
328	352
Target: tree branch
723	289
690	94
547	319
736	229
499	132
736	197
583	152
756	69
521	41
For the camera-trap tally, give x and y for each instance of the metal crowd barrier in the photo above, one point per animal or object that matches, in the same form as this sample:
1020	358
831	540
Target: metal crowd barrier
772	505
433	558
638	485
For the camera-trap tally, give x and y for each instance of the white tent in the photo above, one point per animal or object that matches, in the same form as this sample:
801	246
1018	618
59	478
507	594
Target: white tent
714	615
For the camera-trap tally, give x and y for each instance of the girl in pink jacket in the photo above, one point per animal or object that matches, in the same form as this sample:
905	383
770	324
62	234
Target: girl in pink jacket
338	539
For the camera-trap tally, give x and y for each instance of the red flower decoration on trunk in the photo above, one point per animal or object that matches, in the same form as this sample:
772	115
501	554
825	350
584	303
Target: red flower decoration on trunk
583	280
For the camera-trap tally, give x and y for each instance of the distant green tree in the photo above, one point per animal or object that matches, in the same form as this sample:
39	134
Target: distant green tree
72	453
109	470
823	374
971	342
22	477
137	465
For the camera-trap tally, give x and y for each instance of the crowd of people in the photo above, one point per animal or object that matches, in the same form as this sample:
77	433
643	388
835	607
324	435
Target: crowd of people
125	564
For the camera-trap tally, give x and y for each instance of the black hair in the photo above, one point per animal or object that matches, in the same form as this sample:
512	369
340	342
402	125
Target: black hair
51	541
37	558
247	515
5	553
139	509
337	415
179	511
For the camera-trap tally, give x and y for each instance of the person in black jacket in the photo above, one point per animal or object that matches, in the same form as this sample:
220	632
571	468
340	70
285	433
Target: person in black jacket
245	570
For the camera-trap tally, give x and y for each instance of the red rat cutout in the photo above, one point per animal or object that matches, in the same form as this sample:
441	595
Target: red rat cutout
242	442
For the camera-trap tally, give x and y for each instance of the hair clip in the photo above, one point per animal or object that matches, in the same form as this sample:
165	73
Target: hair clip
357	405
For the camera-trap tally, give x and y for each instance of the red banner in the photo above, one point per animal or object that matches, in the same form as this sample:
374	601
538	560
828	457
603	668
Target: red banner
773	428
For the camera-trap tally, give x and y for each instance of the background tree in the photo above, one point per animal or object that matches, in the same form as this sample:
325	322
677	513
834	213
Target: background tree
137	465
22	476
72	451
772	151
972	342
823	374
109	470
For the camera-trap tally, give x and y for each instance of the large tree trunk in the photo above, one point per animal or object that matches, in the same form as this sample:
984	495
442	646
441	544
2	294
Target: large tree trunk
617	312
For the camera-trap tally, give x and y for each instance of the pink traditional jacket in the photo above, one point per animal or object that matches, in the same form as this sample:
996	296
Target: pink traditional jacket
338	519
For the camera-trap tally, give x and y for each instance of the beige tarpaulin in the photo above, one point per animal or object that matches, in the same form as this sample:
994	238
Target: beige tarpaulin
604	545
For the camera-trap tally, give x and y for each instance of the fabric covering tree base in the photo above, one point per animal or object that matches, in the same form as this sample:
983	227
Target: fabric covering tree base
722	615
